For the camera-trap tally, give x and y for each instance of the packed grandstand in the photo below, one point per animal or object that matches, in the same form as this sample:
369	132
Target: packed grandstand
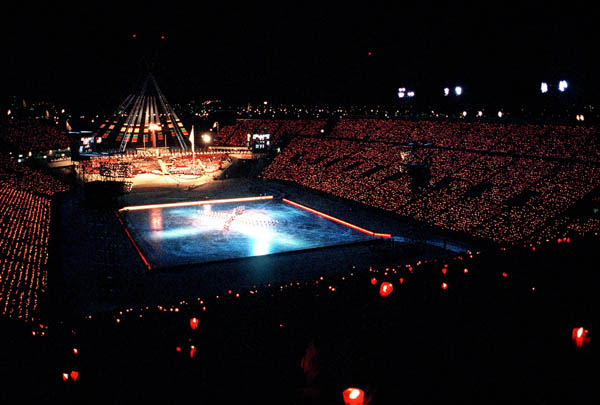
499	324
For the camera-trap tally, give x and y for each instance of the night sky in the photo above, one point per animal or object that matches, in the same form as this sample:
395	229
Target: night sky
296	52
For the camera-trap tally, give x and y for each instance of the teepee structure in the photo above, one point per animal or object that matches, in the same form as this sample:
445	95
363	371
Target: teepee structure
144	120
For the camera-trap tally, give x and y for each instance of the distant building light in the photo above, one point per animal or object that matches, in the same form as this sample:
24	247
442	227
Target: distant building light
446	91
544	87
410	94
458	90
562	85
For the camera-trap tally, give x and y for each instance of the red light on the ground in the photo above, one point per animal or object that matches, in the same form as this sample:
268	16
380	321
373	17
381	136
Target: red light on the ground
386	289
580	337
194	323
444	286
353	396
373	281
74	375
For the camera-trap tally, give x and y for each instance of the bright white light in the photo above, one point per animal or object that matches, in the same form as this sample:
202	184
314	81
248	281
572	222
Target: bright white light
401	92
480	113
500	114
446	91
458	90
562	85
410	94
464	113
544	87
206	138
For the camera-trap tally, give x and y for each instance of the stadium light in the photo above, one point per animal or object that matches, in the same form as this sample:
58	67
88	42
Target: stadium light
544	87
562	85
458	90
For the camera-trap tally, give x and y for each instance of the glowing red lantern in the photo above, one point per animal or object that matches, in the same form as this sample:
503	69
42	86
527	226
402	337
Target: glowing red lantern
354	396
194	323
580	337
373	281
386	289
74	375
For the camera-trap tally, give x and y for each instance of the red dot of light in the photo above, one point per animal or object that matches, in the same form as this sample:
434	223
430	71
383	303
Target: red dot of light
373	281
444	286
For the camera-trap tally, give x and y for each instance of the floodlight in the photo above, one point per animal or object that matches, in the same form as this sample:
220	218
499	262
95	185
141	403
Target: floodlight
562	85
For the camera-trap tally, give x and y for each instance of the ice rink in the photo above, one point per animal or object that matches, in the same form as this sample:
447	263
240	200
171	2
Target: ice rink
206	232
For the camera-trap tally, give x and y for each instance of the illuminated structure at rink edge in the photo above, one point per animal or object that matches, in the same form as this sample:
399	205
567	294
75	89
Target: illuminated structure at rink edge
144	120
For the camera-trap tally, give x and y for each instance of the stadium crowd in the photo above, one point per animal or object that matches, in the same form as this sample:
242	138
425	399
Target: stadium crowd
27	135
503	182
237	134
25	196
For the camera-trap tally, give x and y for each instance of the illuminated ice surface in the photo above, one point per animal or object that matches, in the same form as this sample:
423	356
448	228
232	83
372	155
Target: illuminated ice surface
203	233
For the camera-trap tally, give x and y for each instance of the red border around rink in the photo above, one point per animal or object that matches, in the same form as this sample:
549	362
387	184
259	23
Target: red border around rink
135	245
334	219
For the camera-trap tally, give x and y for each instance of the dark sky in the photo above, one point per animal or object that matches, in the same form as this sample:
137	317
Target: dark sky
298	51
